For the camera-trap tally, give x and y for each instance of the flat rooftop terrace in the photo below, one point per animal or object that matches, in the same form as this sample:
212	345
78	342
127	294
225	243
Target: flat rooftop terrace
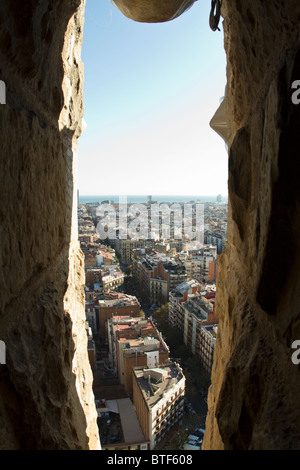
162	380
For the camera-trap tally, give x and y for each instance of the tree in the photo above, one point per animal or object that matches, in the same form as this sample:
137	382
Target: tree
199	374
129	270
161	315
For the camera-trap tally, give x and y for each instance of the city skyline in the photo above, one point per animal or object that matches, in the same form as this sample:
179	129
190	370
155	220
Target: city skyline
150	92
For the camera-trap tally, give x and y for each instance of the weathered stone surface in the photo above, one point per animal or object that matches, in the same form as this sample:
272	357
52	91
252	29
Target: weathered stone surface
254	400
153	11
46	399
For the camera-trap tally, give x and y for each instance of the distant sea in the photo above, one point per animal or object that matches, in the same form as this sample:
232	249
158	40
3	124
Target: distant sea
143	199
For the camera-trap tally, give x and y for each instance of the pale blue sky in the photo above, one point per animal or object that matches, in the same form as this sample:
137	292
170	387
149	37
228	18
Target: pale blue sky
150	91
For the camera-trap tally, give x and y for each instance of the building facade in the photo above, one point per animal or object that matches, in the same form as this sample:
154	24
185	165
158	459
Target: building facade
134	342
114	304
192	311
125	248
157	274
177	297
158	397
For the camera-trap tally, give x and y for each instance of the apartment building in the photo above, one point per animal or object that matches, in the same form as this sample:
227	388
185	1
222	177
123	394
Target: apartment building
192	310
156	274
176	273
124	248
216	238
112	280
213	271
158	290
162	247
134	342
105	257
90	314
158	397
176	245
197	263
90	259
206	344
178	296
86	238
96	256
116	304
200	325
93	276
109	278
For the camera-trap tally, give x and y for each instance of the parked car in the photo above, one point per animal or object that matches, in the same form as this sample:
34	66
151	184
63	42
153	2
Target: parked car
199	434
201	430
191	447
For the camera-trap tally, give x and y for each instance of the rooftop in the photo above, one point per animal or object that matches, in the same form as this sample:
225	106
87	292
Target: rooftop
211	329
156	382
140	345
185	286
128	324
112	277
112	299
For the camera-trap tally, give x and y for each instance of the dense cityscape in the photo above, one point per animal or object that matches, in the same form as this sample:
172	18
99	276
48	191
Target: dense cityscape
151	327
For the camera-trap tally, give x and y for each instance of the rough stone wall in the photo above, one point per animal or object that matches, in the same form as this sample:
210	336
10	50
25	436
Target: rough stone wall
254	399
46	399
